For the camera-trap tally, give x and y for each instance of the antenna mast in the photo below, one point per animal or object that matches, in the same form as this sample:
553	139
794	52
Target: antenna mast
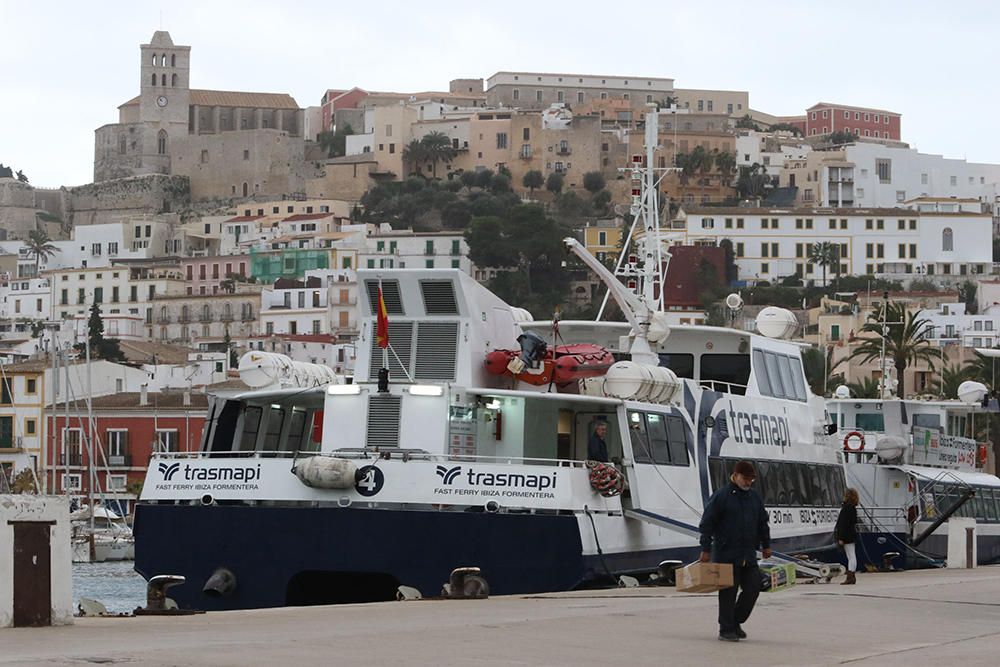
644	271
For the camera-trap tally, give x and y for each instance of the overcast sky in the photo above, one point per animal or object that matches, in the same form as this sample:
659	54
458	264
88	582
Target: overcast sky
66	66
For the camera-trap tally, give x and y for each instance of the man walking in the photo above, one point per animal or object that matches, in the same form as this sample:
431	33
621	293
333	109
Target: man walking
734	524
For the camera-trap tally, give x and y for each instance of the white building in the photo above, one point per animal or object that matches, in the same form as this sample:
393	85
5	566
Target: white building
324	303
405	249
897	243
951	324
24	302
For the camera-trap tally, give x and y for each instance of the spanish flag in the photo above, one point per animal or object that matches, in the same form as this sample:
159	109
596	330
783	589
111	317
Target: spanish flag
382	324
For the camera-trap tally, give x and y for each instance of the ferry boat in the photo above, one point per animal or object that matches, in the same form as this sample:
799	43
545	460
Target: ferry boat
428	461
914	466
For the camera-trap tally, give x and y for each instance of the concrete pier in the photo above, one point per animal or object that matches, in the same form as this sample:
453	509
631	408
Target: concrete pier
943	617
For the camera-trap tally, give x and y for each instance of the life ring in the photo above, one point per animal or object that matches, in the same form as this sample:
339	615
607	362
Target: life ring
847	441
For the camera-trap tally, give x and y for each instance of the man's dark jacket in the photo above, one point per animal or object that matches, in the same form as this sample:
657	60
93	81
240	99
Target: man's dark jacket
734	525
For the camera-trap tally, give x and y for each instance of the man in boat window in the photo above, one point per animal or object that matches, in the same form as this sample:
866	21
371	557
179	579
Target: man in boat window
734	524
597	448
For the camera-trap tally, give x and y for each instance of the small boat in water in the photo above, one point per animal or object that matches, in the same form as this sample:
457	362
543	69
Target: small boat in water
100	535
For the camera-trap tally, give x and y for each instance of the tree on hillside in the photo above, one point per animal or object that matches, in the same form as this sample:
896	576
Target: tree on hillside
824	254
752	181
335	142
530	244
532	180
414	155
500	183
468	179
906	337
484	178
40	245
554	183
747	123
593	182
840	137
437	147
725	162
100	347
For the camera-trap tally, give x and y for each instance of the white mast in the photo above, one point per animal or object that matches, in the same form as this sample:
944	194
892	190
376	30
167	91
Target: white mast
644	271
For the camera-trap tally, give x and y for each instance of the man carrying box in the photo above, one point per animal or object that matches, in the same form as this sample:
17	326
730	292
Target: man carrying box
734	524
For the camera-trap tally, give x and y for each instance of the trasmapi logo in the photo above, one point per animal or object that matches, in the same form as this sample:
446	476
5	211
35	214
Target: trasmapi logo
169	470
449	475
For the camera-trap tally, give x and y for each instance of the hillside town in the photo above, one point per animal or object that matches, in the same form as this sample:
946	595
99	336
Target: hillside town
220	222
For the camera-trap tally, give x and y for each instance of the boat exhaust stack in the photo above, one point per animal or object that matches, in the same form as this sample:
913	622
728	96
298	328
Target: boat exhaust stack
221	584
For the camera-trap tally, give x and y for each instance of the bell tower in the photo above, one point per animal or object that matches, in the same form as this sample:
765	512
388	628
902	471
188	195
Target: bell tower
164	99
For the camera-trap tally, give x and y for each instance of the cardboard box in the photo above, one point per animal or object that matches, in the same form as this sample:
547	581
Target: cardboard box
704	577
776	577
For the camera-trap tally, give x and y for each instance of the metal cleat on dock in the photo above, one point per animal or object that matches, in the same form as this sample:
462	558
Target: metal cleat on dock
466	583
157	602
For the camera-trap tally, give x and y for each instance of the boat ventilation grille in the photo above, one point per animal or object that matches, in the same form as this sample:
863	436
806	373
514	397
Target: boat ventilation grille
439	297
390	294
437	351
401	340
383	421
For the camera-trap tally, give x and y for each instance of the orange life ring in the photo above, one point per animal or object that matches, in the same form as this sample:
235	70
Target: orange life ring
847	441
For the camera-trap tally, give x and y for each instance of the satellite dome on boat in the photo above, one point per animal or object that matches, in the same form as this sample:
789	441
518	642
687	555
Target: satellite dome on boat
775	322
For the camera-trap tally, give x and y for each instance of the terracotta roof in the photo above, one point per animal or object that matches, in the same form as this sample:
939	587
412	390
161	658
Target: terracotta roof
306	216
820	105
159	401
143	352
244	218
230	98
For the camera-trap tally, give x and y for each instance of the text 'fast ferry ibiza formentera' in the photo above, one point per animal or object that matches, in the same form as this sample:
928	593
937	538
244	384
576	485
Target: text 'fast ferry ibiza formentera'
434	458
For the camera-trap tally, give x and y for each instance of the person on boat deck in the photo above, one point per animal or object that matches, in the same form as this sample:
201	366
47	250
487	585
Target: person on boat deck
733	525
846	532
597	448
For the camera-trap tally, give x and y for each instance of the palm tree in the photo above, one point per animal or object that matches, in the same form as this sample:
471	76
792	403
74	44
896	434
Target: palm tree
40	245
906	339
824	254
864	388
414	154
951	377
983	369
725	162
437	146
819	370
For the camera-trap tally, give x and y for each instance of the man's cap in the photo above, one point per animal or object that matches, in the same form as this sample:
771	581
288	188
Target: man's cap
745	468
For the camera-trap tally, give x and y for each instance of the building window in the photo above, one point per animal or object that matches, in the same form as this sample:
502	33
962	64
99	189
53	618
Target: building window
884	170
947	242
501	140
708	223
517	94
161	143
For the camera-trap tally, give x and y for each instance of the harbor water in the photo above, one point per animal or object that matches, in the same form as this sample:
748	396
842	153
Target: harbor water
115	584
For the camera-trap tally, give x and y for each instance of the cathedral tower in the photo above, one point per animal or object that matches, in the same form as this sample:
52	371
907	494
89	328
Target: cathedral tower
164	98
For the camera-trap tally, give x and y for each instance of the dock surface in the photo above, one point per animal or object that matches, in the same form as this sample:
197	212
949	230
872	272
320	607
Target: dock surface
929	617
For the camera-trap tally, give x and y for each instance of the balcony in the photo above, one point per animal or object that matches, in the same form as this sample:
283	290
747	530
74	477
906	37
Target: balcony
564	150
227	317
184	319
525	153
120	460
163	319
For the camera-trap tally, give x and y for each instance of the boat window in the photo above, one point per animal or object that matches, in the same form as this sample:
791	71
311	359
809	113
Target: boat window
760	372
275	420
640	441
251	424
927	420
793	483
656	428
797	382
717	473
295	431
774	375
681	364
726	372
869	421
785	368
762	484
677	439
994	511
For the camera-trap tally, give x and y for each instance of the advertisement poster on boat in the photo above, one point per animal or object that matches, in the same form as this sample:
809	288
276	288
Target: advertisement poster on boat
931	447
425	482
